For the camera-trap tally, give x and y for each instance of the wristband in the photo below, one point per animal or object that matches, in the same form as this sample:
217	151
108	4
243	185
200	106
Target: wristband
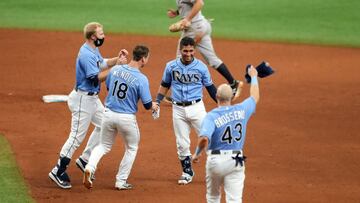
254	80
159	98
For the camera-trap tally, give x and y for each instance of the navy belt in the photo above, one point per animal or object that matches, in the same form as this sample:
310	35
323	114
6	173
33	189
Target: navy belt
88	93
219	152
186	103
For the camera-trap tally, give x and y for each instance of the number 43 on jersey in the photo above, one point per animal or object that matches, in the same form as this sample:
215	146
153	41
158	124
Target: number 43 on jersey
229	137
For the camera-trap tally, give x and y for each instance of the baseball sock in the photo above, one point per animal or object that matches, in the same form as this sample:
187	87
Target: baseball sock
186	165
224	71
64	162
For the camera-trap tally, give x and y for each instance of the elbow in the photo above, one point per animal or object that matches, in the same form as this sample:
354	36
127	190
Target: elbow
201	3
256	98
148	105
203	141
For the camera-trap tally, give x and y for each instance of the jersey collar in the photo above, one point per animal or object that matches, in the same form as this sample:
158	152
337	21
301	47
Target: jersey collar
90	48
130	68
192	64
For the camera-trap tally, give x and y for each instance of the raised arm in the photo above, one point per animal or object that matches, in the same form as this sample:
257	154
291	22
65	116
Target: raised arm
254	86
120	59
195	9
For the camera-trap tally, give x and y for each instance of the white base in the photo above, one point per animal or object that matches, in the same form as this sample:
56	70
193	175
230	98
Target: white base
55	98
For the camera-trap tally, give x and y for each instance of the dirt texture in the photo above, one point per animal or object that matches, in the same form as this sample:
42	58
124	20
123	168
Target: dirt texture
302	144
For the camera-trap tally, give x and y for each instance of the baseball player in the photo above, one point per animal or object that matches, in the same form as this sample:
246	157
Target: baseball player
84	103
126	85
223	131
199	28
186	77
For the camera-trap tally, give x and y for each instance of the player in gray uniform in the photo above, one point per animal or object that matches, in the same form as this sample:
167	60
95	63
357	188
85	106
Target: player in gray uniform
224	131
126	85
186	76
200	31
84	103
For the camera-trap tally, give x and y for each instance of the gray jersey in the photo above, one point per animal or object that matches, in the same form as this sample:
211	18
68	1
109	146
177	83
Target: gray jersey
184	8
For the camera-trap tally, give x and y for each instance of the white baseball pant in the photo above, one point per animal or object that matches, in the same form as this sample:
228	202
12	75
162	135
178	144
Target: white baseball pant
126	126
221	170
183	119
85	109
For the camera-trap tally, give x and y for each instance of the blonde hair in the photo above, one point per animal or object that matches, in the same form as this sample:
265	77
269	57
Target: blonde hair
224	92
90	29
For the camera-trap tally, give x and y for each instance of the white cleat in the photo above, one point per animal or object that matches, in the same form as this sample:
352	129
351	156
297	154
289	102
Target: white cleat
185	179
123	186
87	179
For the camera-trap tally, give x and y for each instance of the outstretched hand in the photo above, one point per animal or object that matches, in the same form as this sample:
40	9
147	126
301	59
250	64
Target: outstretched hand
155	110
252	71
122	57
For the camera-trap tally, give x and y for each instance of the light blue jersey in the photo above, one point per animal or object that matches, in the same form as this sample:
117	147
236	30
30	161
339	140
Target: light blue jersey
126	86
87	66
225	126
186	81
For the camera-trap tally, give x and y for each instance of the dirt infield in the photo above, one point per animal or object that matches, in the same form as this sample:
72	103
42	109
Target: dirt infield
303	143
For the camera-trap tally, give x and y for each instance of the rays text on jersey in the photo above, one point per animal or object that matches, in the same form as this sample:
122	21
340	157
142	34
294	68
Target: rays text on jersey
186	78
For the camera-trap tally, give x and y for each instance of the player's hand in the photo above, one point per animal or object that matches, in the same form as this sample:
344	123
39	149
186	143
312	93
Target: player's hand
155	110
123	52
171	13
185	23
122	57
252	71
122	60
155	106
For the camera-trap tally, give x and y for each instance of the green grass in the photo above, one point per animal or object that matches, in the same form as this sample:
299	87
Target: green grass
306	21
12	187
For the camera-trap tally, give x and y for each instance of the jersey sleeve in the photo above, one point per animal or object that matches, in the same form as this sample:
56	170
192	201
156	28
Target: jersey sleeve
207	127
144	91
249	105
90	64
102	62
206	77
167	74
108	78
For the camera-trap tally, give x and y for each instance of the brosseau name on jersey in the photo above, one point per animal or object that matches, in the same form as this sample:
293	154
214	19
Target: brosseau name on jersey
231	116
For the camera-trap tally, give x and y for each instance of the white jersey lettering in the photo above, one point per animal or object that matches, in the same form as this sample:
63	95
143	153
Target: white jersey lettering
229	117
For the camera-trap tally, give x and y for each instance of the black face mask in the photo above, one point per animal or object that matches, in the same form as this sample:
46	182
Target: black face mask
98	42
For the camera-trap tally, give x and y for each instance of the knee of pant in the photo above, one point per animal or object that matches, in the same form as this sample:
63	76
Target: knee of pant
77	143
213	198
105	149
233	199
215	63
75	140
133	148
97	129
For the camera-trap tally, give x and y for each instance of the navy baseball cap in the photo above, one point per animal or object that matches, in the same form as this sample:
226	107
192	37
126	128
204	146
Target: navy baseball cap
263	69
